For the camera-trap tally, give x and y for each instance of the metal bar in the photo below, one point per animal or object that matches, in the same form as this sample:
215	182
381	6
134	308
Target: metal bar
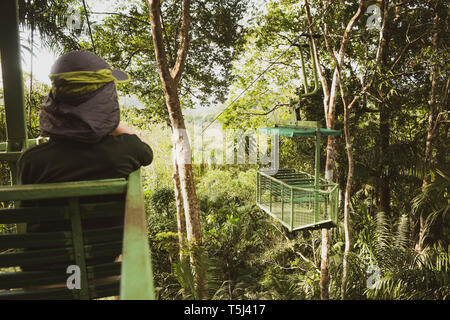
16	130
317	176
282	203
270	192
136	275
292	209
258	188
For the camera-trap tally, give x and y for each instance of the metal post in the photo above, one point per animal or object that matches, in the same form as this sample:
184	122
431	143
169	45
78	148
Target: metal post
317	176
16	130
292	209
270	191
282	203
258	187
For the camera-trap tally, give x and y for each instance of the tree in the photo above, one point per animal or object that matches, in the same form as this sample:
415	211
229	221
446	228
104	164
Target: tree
170	78
329	99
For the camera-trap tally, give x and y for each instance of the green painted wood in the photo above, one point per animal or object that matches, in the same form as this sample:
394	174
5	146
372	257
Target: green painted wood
104	289
33	214
78	245
10	156
113	234
137	274
30	143
103	250
36	257
35	240
95	243
31	278
102	210
63	190
104	270
44	294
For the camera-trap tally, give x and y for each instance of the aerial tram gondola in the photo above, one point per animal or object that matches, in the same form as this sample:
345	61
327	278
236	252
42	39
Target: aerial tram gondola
299	200
78	246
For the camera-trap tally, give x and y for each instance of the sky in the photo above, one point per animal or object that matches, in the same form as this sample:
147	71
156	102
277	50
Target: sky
44	58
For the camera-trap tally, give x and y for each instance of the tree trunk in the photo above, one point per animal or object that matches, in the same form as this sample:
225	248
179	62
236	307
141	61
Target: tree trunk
170	80
382	60
348	189
432	123
179	205
180	217
385	132
329	106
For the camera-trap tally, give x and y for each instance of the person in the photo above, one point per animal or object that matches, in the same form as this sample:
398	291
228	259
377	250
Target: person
81	116
87	141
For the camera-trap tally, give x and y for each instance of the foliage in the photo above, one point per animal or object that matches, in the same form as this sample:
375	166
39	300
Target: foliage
162	201
249	255
125	41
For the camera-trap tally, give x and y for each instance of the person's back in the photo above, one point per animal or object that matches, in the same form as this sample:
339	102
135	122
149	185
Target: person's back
81	116
62	160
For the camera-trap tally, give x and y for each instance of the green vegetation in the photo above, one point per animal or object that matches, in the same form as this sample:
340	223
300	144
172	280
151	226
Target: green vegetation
400	192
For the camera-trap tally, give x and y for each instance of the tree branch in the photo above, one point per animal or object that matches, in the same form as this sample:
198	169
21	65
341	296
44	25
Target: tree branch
184	43
160	53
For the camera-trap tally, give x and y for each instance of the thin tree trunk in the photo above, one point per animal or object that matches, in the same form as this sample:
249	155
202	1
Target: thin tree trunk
348	189
180	216
170	81
329	106
432	124
179	205
382	60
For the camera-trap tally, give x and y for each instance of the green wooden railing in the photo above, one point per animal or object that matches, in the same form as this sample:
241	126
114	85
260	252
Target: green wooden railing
136	275
136	280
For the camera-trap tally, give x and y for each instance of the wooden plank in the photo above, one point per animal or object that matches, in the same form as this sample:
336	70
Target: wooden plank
31	278
103	250
62	190
36	240
10	156
113	234
104	289
104	270
36	257
42	294
100	210
137	275
33	214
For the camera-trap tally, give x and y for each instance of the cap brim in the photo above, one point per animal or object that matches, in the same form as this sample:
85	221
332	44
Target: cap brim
120	76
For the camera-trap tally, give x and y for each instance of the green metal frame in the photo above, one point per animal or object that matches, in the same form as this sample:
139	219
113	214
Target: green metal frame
293	199
313	201
12	83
